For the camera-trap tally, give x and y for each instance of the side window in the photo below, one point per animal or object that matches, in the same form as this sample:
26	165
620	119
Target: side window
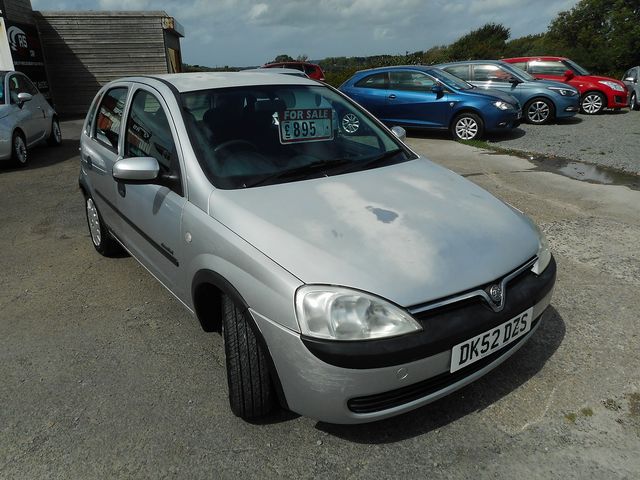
309	69
110	117
410	81
92	115
25	85
460	71
14	88
547	68
493	73
378	80
520	65
149	134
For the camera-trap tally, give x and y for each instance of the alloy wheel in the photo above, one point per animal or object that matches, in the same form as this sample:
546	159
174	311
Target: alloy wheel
592	103
20	149
57	134
538	112
350	123
466	128
94	222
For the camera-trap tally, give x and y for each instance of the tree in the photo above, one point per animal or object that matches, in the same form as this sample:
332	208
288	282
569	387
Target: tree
283	58
487	42
302	58
600	34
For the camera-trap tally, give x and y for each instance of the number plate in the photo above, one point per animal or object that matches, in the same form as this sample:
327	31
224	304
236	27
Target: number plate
306	125
478	347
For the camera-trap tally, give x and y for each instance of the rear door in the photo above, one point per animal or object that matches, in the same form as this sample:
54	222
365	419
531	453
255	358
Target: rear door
152	214
371	92
100	149
411	101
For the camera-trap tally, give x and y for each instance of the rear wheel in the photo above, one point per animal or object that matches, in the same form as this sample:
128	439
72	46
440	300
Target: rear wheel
467	126
55	138
539	111
251	393
102	240
592	103
19	153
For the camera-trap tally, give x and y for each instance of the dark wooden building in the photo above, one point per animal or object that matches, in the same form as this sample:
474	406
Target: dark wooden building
85	50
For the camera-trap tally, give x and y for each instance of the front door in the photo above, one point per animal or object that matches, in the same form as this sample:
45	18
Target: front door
152	214
411	101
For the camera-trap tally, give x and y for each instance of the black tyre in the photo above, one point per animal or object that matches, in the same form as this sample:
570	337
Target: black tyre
251	393
592	103
19	153
55	138
467	126
539	111
102	240
633	102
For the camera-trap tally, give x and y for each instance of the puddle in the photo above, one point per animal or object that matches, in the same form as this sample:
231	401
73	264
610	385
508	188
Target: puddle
585	172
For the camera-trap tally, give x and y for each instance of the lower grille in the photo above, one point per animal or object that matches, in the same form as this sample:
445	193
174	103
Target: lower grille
401	396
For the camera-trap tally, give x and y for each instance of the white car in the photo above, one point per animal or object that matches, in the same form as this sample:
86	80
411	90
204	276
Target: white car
26	118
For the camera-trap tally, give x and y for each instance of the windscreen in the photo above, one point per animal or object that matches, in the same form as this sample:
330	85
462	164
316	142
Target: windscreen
451	80
575	67
518	72
261	135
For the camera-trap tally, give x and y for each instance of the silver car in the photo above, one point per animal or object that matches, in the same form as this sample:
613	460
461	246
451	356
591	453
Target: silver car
630	79
26	118
351	279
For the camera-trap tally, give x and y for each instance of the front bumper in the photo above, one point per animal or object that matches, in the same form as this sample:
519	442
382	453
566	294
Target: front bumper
567	106
327	390
503	120
617	99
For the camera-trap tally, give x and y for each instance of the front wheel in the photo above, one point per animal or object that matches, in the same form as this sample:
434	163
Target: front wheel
467	126
102	240
19	154
55	138
539	111
592	103
633	102
251	393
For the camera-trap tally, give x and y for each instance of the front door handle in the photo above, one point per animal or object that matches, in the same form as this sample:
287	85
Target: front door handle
392	96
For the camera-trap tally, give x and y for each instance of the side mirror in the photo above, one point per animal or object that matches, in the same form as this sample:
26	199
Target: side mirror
514	80
136	170
630	80
399	132
438	89
568	75
24	97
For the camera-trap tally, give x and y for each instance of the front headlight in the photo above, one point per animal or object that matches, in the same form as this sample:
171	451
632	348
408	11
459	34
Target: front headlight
544	254
612	85
337	313
565	92
502	105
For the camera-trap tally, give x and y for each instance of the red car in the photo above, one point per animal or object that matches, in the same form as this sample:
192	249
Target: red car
597	93
311	69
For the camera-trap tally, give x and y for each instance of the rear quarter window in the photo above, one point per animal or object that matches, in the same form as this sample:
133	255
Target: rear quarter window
378	80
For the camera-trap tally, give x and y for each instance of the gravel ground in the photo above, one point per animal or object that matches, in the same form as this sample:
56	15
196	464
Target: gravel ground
610	140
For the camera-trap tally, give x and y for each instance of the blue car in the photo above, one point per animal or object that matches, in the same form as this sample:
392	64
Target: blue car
542	100
425	97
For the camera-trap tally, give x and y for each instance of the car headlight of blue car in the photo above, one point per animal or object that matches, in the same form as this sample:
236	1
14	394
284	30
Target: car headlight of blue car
503	105
565	92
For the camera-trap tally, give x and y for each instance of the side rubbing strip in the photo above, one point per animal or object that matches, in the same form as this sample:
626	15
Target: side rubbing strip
165	253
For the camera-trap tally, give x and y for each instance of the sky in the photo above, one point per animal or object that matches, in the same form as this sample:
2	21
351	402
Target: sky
247	33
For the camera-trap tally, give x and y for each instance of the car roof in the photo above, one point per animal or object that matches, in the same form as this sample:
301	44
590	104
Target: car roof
527	59
280	71
187	82
470	62
291	62
423	68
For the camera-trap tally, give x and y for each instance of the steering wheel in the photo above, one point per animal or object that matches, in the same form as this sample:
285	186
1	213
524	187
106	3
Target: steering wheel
237	143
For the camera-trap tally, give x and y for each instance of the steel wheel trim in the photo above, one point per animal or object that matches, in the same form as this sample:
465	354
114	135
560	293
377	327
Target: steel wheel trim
57	134
538	112
94	222
466	128
592	103
350	123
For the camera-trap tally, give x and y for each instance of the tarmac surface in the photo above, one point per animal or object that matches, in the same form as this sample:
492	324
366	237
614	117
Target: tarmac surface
105	375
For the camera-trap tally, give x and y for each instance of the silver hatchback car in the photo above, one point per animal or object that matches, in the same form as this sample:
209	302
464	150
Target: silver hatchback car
351	279
26	118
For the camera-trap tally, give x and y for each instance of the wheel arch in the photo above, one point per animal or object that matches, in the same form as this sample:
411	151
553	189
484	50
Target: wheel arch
604	96
463	110
207	289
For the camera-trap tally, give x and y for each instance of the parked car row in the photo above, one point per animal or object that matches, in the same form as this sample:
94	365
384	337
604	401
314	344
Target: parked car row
484	95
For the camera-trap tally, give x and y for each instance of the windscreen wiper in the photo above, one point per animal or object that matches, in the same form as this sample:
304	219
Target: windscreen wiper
302	171
379	160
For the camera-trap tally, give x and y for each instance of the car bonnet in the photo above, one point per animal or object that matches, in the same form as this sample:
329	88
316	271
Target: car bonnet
410	232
